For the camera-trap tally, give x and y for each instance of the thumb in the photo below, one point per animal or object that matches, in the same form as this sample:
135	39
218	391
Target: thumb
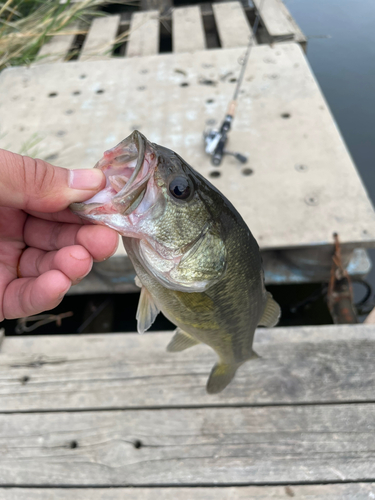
33	184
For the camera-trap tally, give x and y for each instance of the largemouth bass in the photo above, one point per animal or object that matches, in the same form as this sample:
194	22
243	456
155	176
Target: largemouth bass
195	258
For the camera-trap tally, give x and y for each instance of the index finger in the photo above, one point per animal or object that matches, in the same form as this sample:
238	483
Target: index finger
63	216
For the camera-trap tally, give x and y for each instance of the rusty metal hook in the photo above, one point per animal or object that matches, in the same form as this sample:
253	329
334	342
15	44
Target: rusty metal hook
340	291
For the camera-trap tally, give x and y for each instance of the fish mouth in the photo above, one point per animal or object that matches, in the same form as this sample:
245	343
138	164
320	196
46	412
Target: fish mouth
127	168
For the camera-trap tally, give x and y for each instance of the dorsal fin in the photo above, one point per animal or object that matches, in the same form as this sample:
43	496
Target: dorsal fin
271	313
181	341
147	311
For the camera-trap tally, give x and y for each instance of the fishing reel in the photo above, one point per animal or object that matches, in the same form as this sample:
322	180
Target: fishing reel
215	141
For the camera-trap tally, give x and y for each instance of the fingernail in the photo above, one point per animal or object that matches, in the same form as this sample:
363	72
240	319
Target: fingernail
86	178
113	253
62	294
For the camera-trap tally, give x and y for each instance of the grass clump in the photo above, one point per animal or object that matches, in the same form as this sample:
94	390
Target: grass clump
25	25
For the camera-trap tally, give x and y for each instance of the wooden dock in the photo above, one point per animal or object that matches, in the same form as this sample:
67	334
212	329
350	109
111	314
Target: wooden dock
299	185
117	410
114	416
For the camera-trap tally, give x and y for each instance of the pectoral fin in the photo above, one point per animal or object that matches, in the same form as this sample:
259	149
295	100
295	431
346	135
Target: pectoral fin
137	282
220	377
147	311
271	313
181	341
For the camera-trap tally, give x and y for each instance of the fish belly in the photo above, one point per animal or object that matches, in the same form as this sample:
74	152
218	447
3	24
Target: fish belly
209	317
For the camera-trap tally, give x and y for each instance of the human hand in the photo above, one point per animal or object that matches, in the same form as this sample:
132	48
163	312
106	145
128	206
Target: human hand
44	248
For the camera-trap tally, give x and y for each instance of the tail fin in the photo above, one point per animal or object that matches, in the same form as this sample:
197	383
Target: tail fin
220	376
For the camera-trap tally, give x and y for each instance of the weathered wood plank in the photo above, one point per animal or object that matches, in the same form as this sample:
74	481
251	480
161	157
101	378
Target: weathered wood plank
281	104
299	36
144	34
211	446
232	24
357	491
297	365
279	23
57	47
100	39
274	19
187	29
162	6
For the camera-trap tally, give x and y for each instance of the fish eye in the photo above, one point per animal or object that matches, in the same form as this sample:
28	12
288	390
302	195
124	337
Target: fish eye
181	188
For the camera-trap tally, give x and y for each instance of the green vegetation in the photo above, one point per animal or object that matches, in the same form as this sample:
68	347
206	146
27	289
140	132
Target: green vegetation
25	25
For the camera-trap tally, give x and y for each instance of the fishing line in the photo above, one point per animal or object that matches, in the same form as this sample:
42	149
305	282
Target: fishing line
248	51
216	139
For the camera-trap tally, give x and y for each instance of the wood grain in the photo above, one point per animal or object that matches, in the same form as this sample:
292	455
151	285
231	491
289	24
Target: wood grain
100	39
211	446
297	365
233	27
298	35
144	34
357	491
187	29
274	18
57	47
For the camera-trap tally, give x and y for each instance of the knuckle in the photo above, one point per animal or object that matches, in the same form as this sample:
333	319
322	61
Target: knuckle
56	235
37	177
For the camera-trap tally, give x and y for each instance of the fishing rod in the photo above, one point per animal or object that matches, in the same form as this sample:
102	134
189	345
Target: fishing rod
216	140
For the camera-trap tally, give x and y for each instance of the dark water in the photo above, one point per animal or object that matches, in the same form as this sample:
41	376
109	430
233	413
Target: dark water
341	52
